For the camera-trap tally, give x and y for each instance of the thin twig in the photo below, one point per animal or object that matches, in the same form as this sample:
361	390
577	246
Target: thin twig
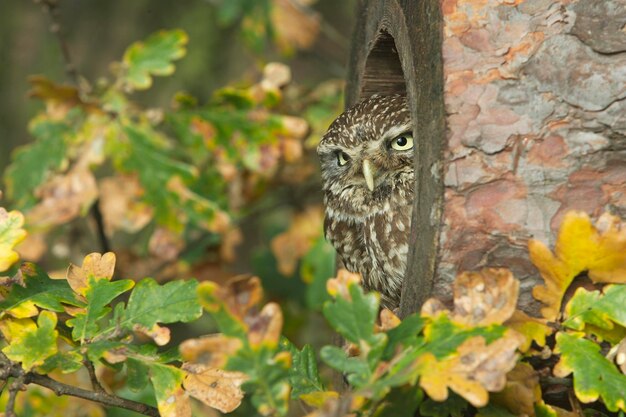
9	369
95	384
96	214
15	386
51	8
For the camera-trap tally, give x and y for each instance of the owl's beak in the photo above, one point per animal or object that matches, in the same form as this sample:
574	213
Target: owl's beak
369	172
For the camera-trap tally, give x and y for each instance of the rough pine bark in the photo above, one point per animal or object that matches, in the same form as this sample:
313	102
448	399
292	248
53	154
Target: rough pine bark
536	117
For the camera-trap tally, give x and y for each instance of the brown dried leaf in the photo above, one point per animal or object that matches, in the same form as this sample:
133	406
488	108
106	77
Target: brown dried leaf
265	327
521	391
165	244
480	298
388	320
64	198
160	335
94	264
275	75
215	387
241	295
474	370
121	205
288	247
296	25
211	351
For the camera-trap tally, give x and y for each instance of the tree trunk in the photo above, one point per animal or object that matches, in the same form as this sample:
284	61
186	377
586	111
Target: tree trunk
535	115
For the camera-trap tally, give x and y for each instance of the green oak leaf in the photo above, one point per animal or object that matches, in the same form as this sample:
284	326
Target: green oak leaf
154	56
454	406
356	369
406	333
597	309
151	303
38	290
34	343
354	319
32	163
66	362
167	381
401	402
100	292
594	375
318	265
137	374
227	323
304	377
11	233
492	410
443	337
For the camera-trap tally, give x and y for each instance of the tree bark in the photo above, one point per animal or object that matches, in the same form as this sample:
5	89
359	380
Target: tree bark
532	94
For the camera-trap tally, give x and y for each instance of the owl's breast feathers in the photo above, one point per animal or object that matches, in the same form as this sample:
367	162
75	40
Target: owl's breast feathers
376	247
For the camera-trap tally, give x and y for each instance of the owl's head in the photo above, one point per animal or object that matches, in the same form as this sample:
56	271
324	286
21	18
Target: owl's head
367	157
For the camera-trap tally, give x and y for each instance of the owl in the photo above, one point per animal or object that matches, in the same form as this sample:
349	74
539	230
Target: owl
366	159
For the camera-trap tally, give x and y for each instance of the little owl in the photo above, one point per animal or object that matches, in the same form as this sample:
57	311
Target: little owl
367	176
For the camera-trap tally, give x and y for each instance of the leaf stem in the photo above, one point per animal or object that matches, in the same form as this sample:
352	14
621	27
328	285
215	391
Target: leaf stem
51	8
95	384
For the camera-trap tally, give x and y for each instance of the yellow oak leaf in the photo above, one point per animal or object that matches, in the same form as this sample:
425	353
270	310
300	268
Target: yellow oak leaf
94	264
318	398
474	370
11	233
580	247
533	329
266	326
215	387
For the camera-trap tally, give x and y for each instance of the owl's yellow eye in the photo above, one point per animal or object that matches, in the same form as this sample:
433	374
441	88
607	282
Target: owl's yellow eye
342	158
402	143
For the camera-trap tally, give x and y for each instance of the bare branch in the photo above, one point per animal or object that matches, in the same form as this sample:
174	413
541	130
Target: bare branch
16	385
9	369
51	8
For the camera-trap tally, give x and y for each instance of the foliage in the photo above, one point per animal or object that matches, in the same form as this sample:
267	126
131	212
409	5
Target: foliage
179	182
470	350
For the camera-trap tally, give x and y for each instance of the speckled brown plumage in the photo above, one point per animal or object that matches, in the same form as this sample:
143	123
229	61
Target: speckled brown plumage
370	228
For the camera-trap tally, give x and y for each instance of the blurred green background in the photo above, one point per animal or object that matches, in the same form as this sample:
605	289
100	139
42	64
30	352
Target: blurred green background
221	50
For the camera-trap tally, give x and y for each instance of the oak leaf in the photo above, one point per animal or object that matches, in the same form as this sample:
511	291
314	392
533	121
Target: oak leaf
472	371
480	298
215	387
288	247
11	233
579	247
121	205
594	375
521	391
212	350
63	198
94	265
533	329
265	327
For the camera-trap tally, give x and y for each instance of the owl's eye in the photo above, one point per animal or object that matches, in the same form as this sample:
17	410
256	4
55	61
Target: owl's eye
342	158
402	143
